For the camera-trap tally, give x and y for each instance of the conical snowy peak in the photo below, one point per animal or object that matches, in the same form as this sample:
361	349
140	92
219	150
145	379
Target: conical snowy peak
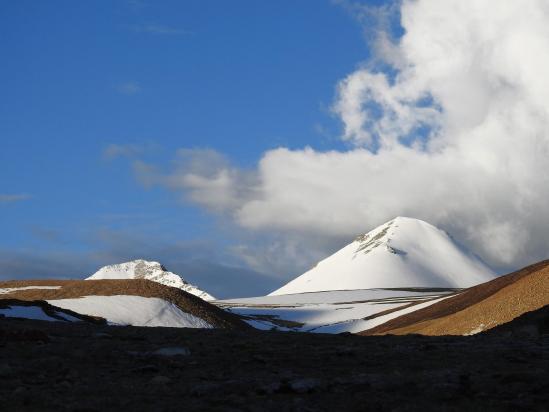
403	252
143	269
379	237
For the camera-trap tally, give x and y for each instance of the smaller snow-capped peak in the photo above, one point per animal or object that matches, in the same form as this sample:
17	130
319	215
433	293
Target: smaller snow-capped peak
154	271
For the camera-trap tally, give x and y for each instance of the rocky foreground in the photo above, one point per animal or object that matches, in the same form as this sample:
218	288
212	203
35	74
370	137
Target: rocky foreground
84	367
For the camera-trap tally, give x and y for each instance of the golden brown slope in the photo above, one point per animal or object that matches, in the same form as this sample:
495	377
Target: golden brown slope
136	287
478	308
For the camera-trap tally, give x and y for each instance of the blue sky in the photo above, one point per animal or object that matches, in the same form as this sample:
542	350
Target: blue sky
152	77
240	142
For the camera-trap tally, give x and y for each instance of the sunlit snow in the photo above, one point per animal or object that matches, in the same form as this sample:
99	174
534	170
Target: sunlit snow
331	312
10	290
402	253
132	310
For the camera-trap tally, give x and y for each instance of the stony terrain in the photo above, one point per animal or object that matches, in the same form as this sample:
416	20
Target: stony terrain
57	366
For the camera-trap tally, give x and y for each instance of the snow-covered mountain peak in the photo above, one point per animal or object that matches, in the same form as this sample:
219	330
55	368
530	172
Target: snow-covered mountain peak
389	234
150	270
380	236
404	252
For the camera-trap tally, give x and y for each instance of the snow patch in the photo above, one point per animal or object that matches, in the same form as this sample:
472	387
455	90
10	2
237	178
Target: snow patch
478	329
10	290
132	310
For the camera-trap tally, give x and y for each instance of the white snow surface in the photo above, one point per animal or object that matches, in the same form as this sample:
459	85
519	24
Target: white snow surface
132	310
403	252
9	290
330	312
143	269
333	297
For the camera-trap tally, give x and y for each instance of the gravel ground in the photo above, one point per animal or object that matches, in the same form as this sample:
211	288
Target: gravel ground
84	367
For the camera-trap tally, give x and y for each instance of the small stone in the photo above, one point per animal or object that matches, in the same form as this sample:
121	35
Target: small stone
145	369
102	335
528	331
270	388
304	385
259	359
161	380
204	389
172	351
6	370
19	390
65	384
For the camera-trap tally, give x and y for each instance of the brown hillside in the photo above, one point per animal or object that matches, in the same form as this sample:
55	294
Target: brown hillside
136	287
478	308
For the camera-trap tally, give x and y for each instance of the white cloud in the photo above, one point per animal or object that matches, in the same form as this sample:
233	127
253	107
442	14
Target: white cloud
205	177
131	150
12	198
159	29
129	88
472	75
113	151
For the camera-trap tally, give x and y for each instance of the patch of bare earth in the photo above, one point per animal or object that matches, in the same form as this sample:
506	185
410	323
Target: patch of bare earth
479	308
71	289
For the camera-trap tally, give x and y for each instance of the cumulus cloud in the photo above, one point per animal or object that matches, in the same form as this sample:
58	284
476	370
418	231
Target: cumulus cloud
455	132
205	177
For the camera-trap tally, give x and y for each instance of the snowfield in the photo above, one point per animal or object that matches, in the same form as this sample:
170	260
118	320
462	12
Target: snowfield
142	269
331	312
402	253
132	310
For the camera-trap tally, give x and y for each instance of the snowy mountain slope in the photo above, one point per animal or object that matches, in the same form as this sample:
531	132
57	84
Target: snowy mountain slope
403	252
333	311
132	310
143	269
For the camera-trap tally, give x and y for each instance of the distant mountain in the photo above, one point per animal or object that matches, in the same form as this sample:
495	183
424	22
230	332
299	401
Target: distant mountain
136	302
479	308
143	269
401	253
